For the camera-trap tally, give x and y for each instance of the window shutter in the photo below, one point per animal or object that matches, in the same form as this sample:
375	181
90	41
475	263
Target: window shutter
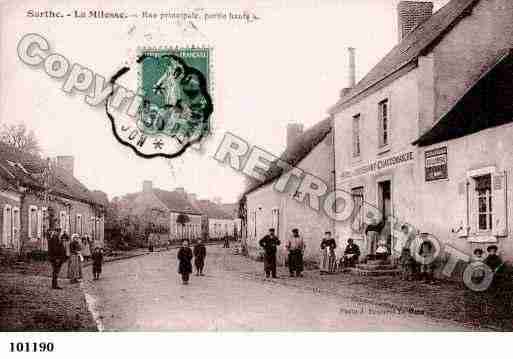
499	186
463	209
39	223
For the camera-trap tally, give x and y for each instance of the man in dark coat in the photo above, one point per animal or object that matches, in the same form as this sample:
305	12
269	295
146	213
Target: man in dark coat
56	256
184	261
494	261
200	252
270	243
351	253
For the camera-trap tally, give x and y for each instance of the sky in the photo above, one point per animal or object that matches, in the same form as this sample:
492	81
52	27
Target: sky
289	66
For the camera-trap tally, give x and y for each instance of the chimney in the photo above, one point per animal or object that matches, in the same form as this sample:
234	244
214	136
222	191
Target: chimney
294	130
67	163
147	186
410	14
352	67
193	198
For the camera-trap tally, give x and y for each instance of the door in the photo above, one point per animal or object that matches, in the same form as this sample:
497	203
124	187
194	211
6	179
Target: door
385	206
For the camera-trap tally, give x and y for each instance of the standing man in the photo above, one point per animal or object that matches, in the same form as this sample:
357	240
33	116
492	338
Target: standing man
200	252
184	261
56	255
270	243
296	247
351	254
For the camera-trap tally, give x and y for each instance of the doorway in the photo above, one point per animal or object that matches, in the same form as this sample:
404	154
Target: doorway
385	206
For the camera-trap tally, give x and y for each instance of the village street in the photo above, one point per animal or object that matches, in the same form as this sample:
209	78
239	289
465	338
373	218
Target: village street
145	293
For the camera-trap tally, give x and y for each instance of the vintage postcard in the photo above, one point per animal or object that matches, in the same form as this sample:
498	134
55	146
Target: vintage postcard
270	166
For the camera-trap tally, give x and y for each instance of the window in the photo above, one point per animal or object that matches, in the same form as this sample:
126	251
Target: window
32	222
356	135
276	220
78	224
15	227
63	220
358	222
93	229
484	199
384	123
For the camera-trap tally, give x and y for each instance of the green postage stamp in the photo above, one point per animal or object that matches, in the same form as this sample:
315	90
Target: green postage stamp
176	106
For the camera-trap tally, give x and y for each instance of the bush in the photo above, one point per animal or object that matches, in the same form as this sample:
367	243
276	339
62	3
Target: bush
38	255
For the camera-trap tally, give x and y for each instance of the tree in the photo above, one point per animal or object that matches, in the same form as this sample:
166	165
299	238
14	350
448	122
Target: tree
182	219
20	138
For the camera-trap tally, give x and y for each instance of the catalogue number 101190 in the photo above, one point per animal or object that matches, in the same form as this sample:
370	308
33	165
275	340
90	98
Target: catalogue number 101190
31	347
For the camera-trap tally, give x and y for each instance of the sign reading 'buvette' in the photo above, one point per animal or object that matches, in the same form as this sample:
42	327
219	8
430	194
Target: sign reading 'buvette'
436	164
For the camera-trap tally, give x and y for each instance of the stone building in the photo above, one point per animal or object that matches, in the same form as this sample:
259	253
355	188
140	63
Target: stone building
38	195
426	136
162	208
312	152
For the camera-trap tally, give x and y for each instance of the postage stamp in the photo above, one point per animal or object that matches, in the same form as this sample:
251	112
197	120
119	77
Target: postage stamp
175	107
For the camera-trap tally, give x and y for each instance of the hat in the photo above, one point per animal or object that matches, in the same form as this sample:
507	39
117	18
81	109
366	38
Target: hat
295	230
493	247
271	229
478	251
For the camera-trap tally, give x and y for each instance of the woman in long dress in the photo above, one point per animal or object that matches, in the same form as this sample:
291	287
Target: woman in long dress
75	262
86	247
327	256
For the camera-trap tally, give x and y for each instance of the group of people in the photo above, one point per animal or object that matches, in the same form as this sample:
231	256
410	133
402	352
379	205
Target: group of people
185	256
296	246
74	251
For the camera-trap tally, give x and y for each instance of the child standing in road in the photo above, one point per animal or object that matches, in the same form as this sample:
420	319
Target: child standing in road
97	257
200	252
407	264
184	262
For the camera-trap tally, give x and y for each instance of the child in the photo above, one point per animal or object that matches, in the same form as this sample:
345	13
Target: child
407	264
382	249
200	252
426	266
478	274
184	262
97	257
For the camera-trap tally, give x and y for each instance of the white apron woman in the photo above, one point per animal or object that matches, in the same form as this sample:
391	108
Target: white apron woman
327	254
75	260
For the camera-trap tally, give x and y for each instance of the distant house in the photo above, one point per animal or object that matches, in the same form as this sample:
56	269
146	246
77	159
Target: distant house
163	208
38	195
220	224
312	152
